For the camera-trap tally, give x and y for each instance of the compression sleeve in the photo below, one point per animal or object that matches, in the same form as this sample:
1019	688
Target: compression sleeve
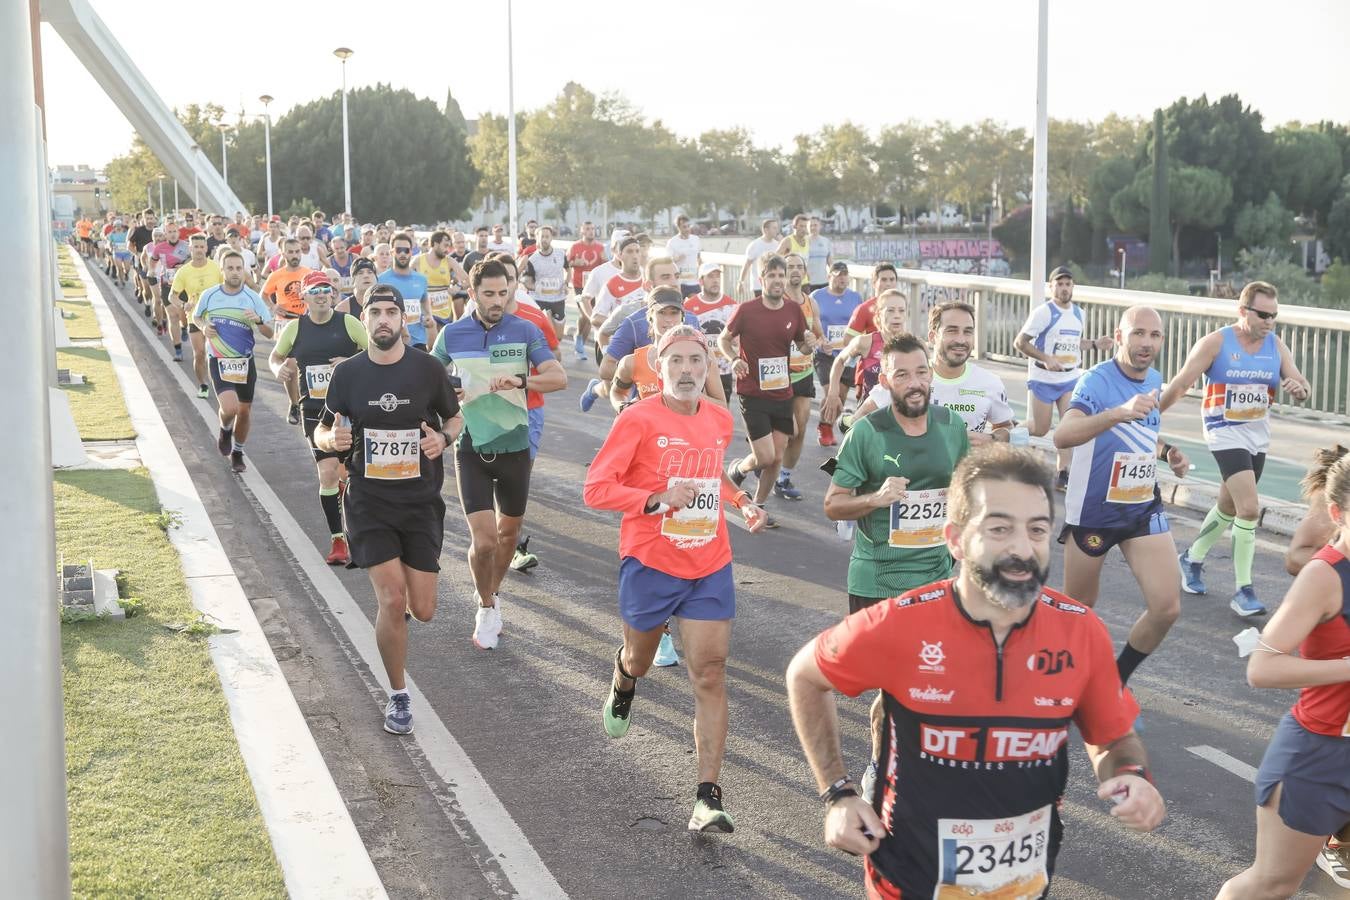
356	331
286	340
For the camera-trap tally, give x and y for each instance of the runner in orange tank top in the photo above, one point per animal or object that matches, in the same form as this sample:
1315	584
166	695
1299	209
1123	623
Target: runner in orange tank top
665	310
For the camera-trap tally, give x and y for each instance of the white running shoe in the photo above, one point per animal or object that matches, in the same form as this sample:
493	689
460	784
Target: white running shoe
487	626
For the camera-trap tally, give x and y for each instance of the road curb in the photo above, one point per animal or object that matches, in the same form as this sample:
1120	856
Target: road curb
320	852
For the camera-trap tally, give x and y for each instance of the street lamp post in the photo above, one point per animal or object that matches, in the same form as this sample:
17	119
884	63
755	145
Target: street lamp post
265	99
161	196
224	153
344	53
510	125
1038	162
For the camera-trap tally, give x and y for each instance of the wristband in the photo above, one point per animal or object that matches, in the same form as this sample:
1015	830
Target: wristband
1141	771
1166	449
741	499
838	795
832	793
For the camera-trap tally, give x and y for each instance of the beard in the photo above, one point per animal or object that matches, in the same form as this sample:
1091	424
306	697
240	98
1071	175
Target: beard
386	340
1006	592
905	405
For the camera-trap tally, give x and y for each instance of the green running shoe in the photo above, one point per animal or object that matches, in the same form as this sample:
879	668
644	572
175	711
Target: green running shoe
708	812
524	560
617	709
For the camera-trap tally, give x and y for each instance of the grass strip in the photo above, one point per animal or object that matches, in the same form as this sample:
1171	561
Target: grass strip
98	406
159	798
85	323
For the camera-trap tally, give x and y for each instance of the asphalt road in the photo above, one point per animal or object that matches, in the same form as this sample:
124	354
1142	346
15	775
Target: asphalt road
607	817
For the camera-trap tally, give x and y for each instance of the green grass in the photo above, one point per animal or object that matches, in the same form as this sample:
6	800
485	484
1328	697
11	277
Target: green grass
73	292
85	324
159	799
99	409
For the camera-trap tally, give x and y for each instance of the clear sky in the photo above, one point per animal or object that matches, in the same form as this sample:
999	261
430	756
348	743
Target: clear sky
777	69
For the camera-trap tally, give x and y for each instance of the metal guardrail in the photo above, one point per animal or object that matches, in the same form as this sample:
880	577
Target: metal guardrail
1319	339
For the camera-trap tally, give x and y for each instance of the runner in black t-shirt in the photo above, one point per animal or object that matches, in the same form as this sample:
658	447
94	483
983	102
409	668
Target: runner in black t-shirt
141	237
393	408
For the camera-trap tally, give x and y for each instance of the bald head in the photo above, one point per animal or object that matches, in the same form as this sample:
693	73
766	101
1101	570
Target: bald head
1139	316
1139	338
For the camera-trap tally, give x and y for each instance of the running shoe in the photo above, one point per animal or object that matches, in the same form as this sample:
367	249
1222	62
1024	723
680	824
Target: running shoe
487	627
339	555
708	812
178	354
1335	861
845	423
524	560
769	521
293	414
1062	480
825	434
398	714
618	707
665	653
203	392
580	347
237	462
736	475
225	442
588	396
1192	573
784	488
1245	604
183	334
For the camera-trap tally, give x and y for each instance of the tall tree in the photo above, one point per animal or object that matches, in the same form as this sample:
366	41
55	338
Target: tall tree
1307	170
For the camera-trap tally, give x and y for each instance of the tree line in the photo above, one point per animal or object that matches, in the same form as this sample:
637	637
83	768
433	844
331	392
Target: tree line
1226	175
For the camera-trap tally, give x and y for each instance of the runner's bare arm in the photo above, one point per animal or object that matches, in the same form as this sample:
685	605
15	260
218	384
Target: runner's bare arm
1313	598
833	403
1312	534
712	386
1138	805
1291	379
1197	361
621	388
847	505
1024	346
726	345
815	715
1077	428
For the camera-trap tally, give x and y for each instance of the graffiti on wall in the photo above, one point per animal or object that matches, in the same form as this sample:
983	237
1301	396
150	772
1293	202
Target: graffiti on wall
961	256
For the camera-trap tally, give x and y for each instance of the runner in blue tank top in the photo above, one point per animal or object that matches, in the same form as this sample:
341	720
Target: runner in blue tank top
1112	427
1244	365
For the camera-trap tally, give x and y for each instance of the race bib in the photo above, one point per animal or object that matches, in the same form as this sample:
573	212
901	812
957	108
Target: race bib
393	454
799	360
1245	402
549	286
412	310
835	335
1133	476
696	523
439	301
317	379
773	373
1002	858
917	520
1066	352
345	284
234	369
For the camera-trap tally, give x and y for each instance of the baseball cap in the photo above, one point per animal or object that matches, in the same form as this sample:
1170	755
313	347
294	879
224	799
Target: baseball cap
666	295
315	279
618	235
385	293
275	219
232	231
839	266
362	264
709	267
628	242
1060	272
681	333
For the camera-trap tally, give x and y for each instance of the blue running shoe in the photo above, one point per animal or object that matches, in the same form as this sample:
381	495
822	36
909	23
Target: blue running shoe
784	488
588	396
665	654
1245	604
580	347
1192	574
398	714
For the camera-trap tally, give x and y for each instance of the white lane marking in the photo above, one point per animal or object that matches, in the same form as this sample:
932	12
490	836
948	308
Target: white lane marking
315	841
1224	761
528	875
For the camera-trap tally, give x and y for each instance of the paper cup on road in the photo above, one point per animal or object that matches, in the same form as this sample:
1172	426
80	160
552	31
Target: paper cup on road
1019	436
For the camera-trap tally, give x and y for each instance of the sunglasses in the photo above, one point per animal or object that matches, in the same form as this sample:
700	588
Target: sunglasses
1263	316
322	290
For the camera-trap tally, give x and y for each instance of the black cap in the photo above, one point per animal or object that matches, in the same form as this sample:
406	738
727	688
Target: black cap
385	293
666	295
363	263
839	266
1059	272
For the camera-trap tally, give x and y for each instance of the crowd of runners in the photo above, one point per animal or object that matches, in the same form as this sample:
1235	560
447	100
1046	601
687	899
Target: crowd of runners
399	350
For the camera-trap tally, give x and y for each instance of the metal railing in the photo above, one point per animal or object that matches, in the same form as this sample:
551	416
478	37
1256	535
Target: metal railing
1319	339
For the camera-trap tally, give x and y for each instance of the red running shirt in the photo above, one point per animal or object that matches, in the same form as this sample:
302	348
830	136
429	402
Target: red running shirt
649	447
864	318
973	756
766	337
532	314
1325	709
583	256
